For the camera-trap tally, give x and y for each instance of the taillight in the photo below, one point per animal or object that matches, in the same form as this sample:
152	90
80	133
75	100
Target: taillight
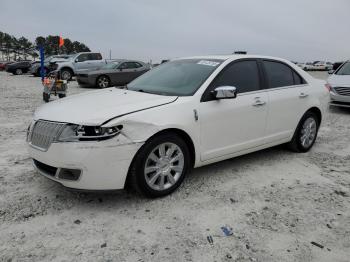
328	87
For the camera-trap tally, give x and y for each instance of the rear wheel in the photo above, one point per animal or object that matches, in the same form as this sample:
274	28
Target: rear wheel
18	71
46	97
103	82
160	165
306	133
61	95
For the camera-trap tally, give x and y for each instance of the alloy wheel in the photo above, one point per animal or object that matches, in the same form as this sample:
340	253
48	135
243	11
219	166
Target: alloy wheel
308	132
103	82
66	75
164	166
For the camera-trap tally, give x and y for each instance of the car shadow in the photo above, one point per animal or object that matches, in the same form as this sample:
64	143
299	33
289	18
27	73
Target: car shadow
339	110
193	180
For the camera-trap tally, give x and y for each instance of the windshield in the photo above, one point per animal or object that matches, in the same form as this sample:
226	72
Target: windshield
344	70
110	65
176	78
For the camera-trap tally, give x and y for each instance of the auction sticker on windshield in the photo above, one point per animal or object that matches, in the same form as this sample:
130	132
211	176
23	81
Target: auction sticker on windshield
208	63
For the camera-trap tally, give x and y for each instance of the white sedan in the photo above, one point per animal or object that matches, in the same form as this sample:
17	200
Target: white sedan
186	113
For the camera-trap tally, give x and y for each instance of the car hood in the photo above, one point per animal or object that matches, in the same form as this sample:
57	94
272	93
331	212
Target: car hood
339	80
97	107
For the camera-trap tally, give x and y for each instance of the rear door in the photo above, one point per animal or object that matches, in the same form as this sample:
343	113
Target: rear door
232	125
95	61
127	71
288	99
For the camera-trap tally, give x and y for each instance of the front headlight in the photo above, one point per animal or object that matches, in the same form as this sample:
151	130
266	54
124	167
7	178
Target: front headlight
73	133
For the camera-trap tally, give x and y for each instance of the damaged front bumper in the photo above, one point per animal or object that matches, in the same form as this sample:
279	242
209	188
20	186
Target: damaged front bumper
91	165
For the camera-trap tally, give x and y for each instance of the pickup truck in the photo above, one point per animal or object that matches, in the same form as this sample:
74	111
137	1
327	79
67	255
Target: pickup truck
78	63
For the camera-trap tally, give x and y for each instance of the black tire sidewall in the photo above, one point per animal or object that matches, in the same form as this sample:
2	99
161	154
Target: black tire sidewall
297	141
70	73
140	161
46	97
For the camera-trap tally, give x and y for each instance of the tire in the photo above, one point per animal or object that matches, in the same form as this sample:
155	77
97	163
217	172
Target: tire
66	74
308	124
103	82
142	180
18	71
46	97
61	95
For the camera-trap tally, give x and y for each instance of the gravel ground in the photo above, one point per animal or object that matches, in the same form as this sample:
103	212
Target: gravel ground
277	202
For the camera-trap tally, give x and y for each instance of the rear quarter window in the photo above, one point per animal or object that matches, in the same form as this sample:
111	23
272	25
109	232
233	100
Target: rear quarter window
279	74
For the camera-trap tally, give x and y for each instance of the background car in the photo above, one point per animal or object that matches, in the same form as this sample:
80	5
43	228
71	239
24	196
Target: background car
19	68
339	86
35	68
78	63
322	66
4	63
116	73
308	66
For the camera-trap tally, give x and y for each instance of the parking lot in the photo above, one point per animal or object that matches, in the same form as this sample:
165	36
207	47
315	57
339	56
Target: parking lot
281	206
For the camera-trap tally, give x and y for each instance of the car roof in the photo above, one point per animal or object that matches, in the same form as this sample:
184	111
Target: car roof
232	57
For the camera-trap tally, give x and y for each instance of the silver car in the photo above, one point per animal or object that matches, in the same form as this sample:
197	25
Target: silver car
339	85
115	73
35	68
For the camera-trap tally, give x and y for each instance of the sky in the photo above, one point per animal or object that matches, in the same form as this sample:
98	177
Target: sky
298	30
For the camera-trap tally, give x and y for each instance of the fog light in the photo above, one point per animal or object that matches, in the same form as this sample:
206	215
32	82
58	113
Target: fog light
69	174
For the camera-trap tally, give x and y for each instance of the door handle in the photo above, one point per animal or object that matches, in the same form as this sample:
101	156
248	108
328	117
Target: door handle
303	95
259	103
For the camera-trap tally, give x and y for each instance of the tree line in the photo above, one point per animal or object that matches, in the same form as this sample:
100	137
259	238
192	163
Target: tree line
13	48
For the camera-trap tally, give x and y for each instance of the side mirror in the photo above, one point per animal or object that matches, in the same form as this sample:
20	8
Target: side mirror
225	92
331	72
76	60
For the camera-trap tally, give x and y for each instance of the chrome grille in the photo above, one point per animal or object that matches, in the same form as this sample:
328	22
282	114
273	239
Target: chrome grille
44	133
342	90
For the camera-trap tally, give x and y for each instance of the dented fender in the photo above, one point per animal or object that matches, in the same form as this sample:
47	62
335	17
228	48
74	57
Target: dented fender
135	131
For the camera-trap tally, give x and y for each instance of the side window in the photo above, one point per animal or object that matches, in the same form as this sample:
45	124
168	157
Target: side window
298	80
278	74
131	65
95	56
137	65
82	57
243	75
123	66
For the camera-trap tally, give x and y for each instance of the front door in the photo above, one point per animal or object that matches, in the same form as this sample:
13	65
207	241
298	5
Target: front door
232	125
81	63
288	100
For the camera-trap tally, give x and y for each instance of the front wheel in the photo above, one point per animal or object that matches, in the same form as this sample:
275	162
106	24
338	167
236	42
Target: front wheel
66	74
103	82
61	95
160	166
306	133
